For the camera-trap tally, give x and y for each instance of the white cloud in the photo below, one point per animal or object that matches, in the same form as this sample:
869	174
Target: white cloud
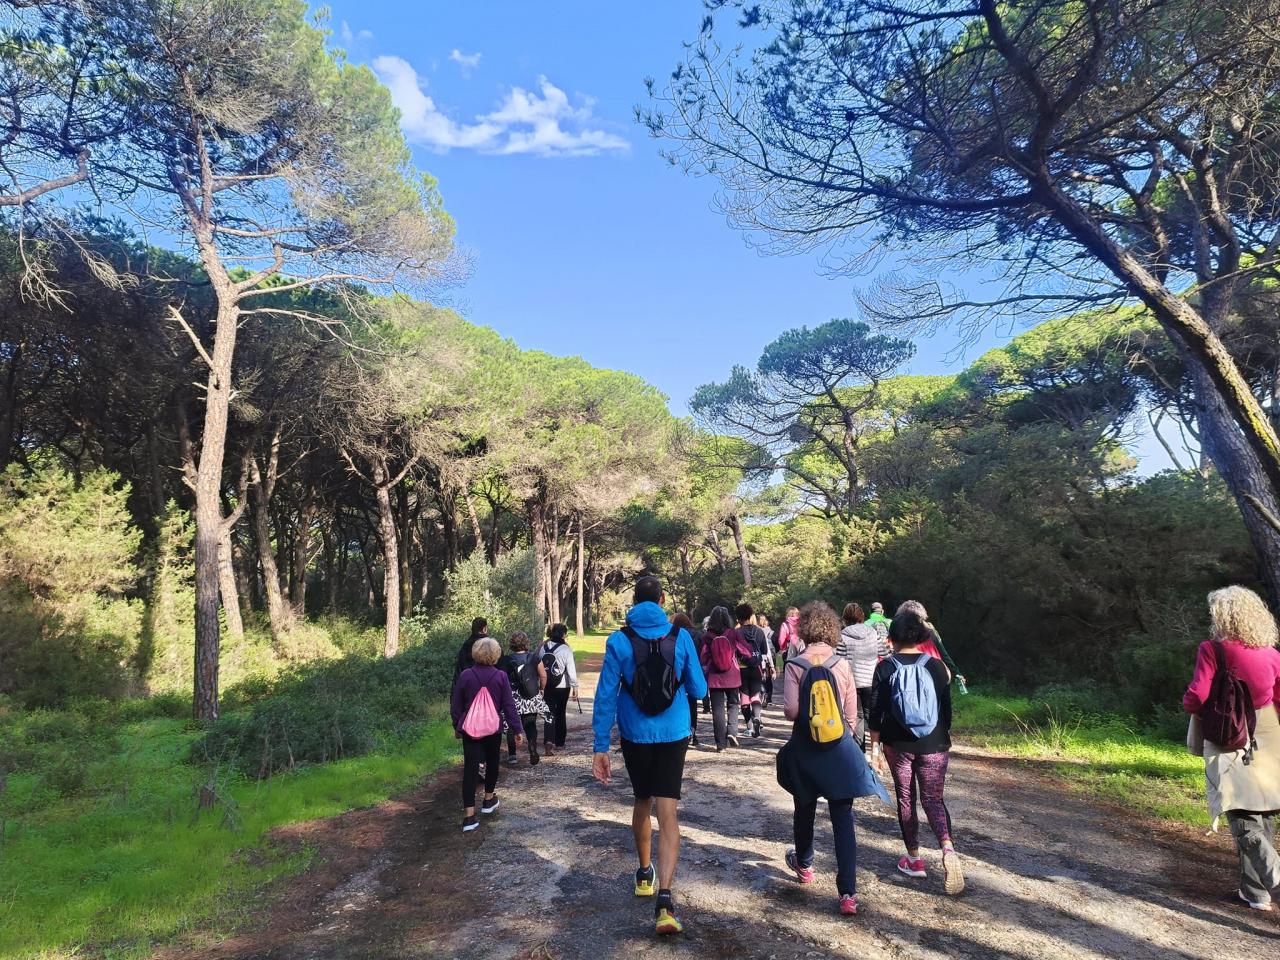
420	118
550	125
349	36
468	61
543	122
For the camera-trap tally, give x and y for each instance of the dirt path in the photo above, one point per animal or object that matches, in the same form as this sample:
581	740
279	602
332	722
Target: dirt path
1051	875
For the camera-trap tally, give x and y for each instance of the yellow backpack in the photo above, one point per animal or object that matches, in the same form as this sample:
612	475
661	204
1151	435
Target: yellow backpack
820	690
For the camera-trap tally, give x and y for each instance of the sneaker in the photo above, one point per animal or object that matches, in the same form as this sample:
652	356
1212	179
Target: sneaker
645	882
665	921
534	760
803	874
512	760
693	740
912	868
759	728
733	741
849	905
470	823
490	805
1263	905
954	882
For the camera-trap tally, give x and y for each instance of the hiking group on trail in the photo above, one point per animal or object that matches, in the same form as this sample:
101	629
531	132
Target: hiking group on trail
869	700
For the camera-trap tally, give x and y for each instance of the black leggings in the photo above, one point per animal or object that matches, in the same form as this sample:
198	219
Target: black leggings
529	721
557	728
485	750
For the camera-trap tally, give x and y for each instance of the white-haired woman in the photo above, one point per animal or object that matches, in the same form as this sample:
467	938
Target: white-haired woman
1243	785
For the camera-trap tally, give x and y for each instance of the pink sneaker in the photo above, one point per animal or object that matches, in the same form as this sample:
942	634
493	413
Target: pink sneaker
912	868
849	905
803	874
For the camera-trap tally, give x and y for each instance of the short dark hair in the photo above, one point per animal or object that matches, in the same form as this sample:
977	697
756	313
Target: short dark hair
744	612
853	614
683	620
907	630
557	632
479	626
720	622
648	590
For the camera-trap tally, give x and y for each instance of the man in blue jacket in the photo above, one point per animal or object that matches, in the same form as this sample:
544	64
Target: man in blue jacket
653	746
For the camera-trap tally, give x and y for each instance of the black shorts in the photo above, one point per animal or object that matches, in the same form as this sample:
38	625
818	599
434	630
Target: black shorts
656	769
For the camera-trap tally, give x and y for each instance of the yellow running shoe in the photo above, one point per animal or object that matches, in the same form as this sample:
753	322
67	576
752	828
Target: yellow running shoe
645	885
667	922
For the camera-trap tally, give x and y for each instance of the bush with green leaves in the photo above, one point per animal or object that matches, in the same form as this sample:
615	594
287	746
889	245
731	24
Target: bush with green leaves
502	593
327	710
67	560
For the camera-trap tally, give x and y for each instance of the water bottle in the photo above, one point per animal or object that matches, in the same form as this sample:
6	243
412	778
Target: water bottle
962	686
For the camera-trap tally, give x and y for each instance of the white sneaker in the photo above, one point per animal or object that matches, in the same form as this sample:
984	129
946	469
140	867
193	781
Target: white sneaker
1263	905
953	875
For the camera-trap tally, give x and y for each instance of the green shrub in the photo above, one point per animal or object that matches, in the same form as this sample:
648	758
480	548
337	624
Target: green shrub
324	711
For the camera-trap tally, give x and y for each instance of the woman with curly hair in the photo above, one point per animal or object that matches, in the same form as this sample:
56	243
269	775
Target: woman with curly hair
836	769
1244	784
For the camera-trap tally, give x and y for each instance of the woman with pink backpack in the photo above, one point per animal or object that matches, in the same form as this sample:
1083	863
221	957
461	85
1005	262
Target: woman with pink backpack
721	646
480	693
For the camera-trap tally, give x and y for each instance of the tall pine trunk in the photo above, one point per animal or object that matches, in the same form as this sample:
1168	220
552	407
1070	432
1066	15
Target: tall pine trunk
538	533
390	557
580	613
227	586
208	492
302	554
736	526
277	611
1237	461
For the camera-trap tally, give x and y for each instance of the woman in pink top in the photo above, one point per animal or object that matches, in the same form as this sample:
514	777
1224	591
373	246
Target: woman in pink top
1248	791
788	639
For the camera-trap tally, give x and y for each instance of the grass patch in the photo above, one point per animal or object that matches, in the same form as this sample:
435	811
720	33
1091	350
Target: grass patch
118	857
1105	756
592	643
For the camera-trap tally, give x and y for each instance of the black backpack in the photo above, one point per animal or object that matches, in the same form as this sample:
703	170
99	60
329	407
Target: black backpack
555	669
653	687
527	680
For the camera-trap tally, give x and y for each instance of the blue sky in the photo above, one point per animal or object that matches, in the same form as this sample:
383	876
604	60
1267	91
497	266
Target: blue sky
583	239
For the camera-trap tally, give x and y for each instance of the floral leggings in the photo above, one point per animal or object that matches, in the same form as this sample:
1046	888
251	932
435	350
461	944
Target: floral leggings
922	774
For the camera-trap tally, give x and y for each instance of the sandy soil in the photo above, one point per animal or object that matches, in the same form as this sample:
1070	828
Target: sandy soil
1051	874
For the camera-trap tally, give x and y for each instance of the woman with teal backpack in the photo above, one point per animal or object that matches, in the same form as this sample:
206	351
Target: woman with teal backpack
822	759
910	718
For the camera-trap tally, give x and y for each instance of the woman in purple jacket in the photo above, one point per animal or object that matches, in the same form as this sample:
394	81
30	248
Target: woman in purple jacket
477	750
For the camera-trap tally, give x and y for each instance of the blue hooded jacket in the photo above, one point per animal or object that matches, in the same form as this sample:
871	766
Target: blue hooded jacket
613	691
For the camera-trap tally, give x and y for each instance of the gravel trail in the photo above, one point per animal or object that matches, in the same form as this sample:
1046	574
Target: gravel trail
1051	874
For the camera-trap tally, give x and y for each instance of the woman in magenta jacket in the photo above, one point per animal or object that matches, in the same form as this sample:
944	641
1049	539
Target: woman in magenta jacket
724	684
1244	787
